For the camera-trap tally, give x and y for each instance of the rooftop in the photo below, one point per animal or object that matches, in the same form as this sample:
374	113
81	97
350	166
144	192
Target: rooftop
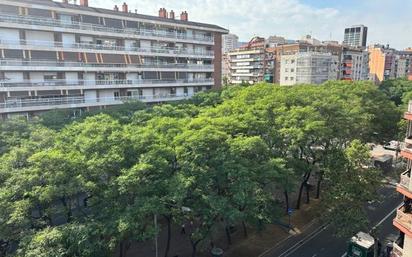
129	14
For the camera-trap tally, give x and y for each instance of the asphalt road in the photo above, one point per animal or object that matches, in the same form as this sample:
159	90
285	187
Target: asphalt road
318	241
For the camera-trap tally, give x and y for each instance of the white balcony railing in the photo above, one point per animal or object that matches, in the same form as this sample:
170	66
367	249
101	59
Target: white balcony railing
51	64
406	181
405	219
156	50
79	101
397	251
30	20
97	83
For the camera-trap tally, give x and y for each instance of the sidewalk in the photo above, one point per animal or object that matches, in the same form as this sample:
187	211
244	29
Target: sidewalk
255	245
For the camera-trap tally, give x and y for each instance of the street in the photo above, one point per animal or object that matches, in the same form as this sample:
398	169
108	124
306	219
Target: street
318	241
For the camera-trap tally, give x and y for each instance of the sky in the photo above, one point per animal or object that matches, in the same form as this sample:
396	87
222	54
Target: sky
389	21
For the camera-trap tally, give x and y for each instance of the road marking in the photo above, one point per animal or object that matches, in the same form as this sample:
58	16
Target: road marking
302	242
380	222
386	217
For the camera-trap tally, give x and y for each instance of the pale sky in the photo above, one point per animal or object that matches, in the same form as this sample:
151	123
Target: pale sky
389	21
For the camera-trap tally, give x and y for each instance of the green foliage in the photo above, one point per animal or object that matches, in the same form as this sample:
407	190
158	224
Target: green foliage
397	90
89	186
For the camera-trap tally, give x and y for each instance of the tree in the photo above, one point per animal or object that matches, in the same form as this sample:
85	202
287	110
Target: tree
353	184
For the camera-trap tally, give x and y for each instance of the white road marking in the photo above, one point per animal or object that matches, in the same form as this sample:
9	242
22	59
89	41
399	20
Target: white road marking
380	222
302	242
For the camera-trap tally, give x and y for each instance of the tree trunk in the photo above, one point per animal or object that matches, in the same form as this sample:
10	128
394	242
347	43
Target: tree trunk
194	247
307	193
244	229
286	194
300	195
121	249
318	186
169	235
228	236
303	184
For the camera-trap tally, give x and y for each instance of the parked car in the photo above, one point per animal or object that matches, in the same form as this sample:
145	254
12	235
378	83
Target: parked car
392	145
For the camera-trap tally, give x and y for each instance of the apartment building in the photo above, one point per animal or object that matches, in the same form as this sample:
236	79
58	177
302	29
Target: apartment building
308	68
299	47
402	247
388	63
62	55
403	63
229	42
248	63
354	64
356	36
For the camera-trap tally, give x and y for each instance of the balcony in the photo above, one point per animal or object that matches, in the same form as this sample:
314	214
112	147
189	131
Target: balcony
99	84
44	45
403	220
44	104
11	64
408	115
406	180
134	32
397	251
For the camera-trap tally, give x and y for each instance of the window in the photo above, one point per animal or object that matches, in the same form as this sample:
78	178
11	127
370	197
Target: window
116	95
292	78
292	61
286	70
286	78
292	70
185	90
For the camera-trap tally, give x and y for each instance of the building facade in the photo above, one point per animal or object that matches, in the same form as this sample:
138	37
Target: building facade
229	43
402	247
248	63
356	36
300	47
308	68
388	63
354	64
61	55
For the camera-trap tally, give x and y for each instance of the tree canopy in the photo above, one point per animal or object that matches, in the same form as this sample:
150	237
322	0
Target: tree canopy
91	186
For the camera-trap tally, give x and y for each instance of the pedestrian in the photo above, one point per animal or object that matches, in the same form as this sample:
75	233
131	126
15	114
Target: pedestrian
183	230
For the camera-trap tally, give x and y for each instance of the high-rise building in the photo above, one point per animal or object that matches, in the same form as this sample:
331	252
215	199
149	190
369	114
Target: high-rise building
356	36
308	68
402	247
229	42
61	55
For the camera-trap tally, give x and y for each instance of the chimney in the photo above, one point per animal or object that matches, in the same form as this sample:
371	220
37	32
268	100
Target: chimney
184	16
84	3
125	8
162	13
116	8
172	15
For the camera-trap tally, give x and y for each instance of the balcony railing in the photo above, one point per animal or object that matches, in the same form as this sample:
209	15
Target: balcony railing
30	20
397	251
406	181
157	50
51	64
96	83
80	100
405	219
